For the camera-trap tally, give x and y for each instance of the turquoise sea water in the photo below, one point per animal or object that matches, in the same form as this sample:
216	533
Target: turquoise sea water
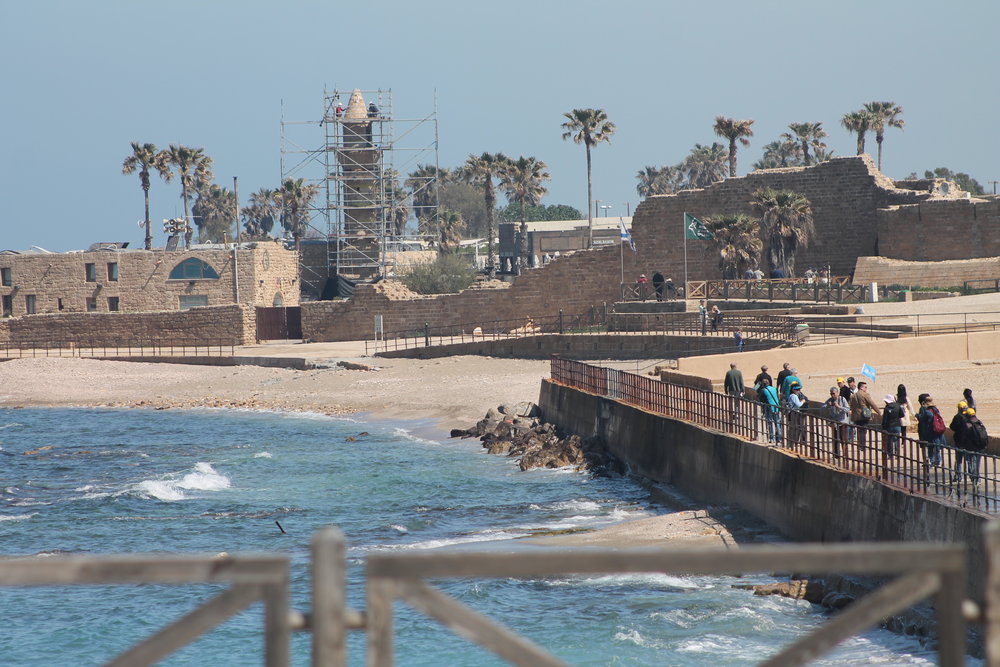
86	481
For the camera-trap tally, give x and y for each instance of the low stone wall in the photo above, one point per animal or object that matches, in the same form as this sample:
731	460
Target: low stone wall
948	273
585	346
218	325
804	500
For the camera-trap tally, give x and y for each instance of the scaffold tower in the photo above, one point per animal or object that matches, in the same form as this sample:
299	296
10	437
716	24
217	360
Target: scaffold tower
362	209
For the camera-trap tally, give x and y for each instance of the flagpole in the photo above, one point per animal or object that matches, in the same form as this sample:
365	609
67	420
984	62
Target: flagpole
621	252
684	234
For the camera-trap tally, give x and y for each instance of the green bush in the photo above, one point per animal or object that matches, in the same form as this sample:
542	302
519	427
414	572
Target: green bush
446	274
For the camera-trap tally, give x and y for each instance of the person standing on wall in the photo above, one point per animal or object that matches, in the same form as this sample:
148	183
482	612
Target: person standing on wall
797	404
975	440
863	409
642	286
759	380
786	370
785	389
971	402
847	390
716	317
739	339
904	402
957	427
703	314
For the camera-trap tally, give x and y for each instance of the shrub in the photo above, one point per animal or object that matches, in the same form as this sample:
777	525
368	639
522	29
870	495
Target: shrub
446	274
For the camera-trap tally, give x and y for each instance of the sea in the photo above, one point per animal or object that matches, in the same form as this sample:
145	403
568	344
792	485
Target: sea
101	481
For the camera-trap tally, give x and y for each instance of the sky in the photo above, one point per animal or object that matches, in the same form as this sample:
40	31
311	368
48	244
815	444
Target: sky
81	80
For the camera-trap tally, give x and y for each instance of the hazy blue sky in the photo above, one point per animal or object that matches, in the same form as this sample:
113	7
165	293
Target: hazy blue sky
83	79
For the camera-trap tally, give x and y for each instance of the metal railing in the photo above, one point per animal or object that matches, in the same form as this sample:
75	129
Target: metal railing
833	328
125	347
970	478
593	320
755	328
836	290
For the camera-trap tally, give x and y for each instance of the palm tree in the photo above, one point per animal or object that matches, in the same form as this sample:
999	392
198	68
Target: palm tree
395	201
588	127
659	180
734	130
144	157
860	122
786	220
705	165
213	212
737	240
784	153
522	181
193	166
480	170
822	155
294	197
647	178
883	115
808	135
260	213
450	225
424	183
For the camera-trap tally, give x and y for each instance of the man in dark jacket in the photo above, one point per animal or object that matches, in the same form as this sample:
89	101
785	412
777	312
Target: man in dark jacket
957	427
892	424
974	440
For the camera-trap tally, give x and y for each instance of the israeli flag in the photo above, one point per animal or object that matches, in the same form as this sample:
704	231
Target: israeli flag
868	372
626	237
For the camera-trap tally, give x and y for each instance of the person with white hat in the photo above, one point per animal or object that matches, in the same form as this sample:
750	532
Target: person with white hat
892	424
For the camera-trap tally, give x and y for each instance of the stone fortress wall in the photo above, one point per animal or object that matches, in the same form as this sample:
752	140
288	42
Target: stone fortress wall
855	208
942	274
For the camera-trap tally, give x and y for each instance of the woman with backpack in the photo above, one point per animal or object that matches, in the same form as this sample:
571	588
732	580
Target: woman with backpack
930	429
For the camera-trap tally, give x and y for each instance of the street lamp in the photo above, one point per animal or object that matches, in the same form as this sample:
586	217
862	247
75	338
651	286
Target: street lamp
606	207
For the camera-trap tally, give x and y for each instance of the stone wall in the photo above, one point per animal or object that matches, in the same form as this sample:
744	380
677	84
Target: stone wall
59	282
574	283
845	194
940	229
950	273
219	325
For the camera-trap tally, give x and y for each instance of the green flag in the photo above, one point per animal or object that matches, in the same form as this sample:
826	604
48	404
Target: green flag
696	229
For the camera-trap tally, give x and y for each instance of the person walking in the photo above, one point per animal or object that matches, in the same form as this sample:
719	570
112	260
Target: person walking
976	439
703	314
930	429
904	402
863	409
892	424
772	409
642	286
838	411
971	402
957	427
786	370
740	340
734	388
797	403
785	390
847	390
759	380
716	318
658	285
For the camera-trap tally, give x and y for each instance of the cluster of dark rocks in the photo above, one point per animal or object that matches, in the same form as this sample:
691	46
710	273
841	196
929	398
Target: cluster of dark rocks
518	431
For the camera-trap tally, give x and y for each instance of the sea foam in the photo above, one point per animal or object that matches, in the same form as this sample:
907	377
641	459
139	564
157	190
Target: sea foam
203	478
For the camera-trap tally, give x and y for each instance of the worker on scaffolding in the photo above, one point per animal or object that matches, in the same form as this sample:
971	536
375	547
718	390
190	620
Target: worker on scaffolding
372	110
339	110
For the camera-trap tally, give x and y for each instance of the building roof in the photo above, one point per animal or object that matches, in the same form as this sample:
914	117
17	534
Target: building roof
569	225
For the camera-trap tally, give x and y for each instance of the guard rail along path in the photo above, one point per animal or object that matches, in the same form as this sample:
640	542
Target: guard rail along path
124	347
897	460
595	320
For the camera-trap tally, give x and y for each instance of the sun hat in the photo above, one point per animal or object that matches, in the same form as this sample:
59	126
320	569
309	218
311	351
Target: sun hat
889	398
840	380
971	412
962	405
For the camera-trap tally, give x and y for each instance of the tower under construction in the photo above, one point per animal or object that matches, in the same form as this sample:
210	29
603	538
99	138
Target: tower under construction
358	220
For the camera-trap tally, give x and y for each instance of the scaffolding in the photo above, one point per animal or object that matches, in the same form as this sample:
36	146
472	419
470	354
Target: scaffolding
362	209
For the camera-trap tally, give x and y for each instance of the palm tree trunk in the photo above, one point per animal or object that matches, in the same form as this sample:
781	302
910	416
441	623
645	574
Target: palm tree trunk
590	203
187	218
878	139
149	231
732	158
491	200
805	151
861	142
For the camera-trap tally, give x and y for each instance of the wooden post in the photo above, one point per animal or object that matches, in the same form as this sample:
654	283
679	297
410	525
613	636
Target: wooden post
329	591
991	621
381	592
277	632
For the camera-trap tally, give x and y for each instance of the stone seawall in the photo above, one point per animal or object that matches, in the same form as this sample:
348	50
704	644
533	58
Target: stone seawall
806	501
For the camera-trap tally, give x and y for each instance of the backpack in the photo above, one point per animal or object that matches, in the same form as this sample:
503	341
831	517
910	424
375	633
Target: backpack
937	422
975	436
893	413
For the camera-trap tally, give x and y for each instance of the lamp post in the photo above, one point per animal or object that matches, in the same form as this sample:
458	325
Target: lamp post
606	207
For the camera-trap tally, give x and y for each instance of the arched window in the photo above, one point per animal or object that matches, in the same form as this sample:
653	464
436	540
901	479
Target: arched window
278	300
193	269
